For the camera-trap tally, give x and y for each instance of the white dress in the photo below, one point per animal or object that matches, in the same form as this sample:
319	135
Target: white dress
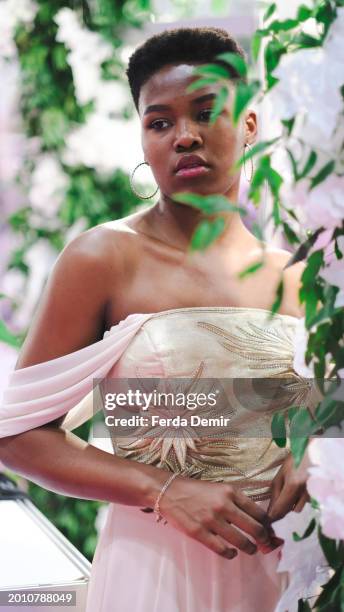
140	564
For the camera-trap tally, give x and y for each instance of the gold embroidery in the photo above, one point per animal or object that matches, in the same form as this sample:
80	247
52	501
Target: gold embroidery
266	351
259	345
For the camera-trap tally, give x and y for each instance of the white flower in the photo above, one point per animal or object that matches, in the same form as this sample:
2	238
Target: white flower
88	50
310	82
104	143
300	346
334	272
111	97
48	186
323	206
333	44
13	12
326	480
13	283
339	301
304	561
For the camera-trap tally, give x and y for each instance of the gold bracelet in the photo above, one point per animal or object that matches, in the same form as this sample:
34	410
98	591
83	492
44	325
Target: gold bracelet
157	503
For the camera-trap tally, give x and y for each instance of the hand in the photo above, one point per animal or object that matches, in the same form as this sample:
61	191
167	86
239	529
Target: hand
210	512
289	489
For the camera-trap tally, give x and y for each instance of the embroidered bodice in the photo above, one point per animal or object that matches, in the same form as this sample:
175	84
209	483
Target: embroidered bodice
248	353
227	344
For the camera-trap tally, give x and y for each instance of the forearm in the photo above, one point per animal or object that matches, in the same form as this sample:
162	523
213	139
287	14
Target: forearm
63	463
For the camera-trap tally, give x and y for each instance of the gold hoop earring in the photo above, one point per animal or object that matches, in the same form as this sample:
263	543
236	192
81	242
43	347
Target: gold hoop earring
252	167
132	184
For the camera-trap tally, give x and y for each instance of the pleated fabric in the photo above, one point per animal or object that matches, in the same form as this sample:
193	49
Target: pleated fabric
41	393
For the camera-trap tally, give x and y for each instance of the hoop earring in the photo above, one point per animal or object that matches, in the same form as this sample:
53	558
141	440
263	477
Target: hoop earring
132	184
252	167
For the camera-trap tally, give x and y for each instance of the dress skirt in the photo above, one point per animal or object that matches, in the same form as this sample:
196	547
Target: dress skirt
144	566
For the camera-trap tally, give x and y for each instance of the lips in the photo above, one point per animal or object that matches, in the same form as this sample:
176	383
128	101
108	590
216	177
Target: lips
190	161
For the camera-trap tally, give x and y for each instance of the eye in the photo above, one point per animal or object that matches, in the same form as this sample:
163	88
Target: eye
205	114
159	124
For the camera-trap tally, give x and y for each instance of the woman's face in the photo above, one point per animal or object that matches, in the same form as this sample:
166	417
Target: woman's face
186	152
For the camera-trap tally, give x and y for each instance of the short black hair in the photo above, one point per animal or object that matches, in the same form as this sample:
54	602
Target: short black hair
180	46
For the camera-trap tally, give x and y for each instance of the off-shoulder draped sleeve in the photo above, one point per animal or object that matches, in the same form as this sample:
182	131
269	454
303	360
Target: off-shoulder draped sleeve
41	393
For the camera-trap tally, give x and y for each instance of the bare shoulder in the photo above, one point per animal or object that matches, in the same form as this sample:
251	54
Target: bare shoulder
71	310
277	260
100	247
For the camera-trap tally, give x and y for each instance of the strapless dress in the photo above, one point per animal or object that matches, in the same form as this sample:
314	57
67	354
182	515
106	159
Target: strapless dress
140	564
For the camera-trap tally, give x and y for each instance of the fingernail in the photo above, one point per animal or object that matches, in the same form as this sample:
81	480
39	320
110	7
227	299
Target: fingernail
232	553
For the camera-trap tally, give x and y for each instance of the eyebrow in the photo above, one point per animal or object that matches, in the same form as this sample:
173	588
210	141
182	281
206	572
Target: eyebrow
164	107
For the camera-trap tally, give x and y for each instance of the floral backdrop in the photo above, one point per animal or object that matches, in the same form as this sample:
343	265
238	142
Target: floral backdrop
75	175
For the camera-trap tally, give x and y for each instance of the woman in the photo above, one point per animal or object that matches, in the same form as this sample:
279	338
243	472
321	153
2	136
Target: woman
167	313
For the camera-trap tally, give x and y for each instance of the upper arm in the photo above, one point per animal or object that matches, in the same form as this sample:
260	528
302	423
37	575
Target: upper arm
70	313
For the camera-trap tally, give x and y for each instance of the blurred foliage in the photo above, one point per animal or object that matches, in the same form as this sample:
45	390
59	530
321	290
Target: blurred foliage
49	110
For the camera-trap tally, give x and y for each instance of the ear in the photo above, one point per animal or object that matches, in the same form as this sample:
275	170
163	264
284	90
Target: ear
251	126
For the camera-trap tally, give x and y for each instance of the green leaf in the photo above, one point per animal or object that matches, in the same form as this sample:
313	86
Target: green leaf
208	204
257	231
314	263
305	41
54	126
309	164
276	212
290	234
219	104
304	248
289	124
256	42
298	447
202	83
278	429
270	11
219	6
304	12
303	606
251	269
214	69
330	549
323	174
244	92
8	337
275	180
236	61
283	26
206	233
273	51
257	148
279	295
307	533
293	165
315	504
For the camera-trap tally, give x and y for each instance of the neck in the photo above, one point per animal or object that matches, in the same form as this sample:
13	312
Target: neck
175	223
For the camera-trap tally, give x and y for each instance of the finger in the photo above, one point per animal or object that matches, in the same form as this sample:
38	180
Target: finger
215	543
250	508
302	502
276	488
263	535
284	503
232	535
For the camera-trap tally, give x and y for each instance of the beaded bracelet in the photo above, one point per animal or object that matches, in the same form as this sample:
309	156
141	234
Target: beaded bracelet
157	503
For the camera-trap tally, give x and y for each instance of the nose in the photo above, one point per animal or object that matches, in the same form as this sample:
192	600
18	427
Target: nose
187	136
